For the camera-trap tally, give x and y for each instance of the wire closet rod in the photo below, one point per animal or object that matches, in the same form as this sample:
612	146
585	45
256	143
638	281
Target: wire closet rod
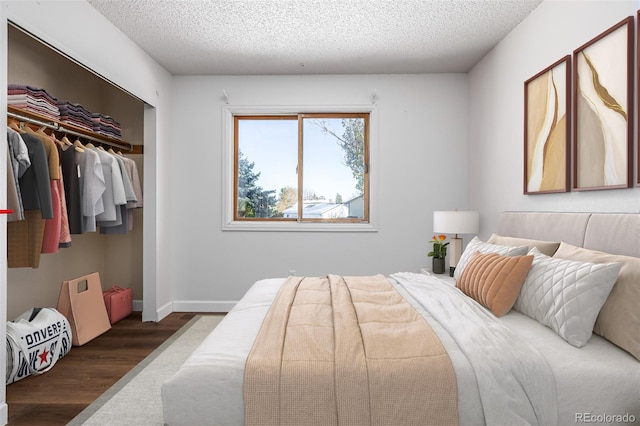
59	128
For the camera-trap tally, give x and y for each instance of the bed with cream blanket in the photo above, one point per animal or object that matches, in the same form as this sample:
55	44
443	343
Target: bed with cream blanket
335	352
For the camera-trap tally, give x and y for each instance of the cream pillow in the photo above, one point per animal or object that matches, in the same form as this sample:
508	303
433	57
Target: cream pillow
566	295
493	280
545	247
619	318
478	245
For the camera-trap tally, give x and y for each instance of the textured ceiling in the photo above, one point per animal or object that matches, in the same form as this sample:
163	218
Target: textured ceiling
315	36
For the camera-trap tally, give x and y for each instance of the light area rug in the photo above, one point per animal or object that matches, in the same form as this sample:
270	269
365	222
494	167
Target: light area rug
135	399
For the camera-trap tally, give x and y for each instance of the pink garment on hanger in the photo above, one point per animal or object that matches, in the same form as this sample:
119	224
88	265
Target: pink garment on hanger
51	238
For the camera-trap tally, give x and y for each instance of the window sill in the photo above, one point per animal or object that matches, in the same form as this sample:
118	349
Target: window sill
299	227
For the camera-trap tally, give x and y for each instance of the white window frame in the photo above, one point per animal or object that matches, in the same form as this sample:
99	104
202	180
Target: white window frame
228	161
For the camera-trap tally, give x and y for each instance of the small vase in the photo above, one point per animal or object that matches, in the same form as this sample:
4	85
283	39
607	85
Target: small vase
438	266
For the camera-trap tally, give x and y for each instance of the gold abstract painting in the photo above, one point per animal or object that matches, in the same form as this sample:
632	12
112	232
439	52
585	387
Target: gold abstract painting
603	95
547	112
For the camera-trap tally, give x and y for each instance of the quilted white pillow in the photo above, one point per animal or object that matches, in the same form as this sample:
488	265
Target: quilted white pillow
478	245
566	295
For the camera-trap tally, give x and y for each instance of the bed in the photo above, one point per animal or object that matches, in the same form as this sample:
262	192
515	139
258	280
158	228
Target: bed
535	365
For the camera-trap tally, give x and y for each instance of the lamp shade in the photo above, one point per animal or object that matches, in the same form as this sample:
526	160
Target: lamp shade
456	222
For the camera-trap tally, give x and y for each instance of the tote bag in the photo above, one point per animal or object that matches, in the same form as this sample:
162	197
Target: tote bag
81	302
36	340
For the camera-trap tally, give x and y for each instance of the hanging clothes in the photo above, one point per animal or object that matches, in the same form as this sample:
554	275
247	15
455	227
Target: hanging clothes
19	152
114	194
19	157
14	203
72	179
51	237
132	169
93	186
129	192
34	183
65	235
121	225
24	237
88	189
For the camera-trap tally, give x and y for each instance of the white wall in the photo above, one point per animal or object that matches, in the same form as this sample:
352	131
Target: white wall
104	49
496	110
422	138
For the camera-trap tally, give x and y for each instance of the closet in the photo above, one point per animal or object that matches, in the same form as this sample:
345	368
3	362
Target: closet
118	258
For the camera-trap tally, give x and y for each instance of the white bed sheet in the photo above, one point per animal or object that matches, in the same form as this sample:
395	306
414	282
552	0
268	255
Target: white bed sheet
596	380
594	383
515	383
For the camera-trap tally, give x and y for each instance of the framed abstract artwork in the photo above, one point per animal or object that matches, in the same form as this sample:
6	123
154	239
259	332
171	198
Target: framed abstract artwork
547	112
603	100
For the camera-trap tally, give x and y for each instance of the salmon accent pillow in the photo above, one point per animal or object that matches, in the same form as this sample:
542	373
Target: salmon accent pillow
494	280
476	244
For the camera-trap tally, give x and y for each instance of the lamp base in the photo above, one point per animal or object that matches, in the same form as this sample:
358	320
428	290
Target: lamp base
455	251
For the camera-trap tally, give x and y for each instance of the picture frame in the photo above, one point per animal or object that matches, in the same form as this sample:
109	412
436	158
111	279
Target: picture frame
603	101
547	127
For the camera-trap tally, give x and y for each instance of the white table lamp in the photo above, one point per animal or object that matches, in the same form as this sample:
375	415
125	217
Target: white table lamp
455	222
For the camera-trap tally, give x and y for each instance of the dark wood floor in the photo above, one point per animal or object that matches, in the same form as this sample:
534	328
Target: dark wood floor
79	378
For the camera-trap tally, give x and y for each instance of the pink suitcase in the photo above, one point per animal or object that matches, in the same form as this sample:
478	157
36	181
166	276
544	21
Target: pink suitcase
119	303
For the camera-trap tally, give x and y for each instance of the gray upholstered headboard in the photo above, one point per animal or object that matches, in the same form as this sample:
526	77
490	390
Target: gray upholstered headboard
616	233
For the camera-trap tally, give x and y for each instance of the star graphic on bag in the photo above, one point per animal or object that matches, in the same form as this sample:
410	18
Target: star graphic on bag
43	356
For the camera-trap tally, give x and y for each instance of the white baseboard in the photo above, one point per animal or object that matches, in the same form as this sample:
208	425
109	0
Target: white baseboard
189	306
4	413
165	310
161	312
203	305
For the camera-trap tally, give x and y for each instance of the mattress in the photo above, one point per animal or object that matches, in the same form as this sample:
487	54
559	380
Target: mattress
596	382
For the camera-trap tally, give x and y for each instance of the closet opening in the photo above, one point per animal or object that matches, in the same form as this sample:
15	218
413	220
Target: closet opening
115	124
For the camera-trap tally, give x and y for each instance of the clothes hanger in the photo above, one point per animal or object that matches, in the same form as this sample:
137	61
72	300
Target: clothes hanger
78	145
41	131
13	124
28	129
111	151
65	140
90	145
52	136
66	144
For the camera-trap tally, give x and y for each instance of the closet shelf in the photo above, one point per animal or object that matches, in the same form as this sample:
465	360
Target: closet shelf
62	127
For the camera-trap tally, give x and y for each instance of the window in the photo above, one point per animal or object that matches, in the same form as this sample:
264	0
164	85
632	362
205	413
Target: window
310	167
